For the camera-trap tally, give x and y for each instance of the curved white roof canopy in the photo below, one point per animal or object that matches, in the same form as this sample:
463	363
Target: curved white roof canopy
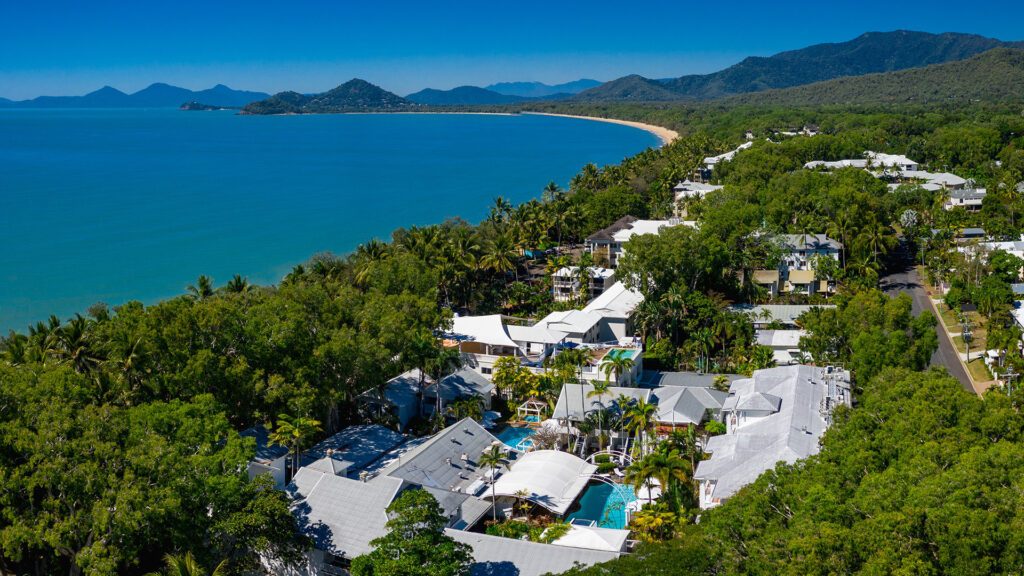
485	329
550	478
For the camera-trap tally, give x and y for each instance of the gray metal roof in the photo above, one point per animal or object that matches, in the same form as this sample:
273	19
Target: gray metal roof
654	379
968	194
438	463
341	515
358	445
686	404
497	556
573	399
606	234
466	383
791	433
810	242
786	314
265	451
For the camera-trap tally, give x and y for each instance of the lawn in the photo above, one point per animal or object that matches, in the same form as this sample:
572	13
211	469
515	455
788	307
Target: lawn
979	371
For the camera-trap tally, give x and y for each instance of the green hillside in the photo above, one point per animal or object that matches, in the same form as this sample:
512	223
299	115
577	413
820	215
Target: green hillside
353	96
996	75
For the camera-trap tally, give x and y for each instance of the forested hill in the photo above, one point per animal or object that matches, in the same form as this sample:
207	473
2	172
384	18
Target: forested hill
994	76
462	95
353	96
872	52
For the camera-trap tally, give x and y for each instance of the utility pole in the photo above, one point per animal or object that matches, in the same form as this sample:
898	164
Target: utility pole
965	326
1009	377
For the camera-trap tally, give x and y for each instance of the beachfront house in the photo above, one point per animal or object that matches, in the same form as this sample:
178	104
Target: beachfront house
481	340
343	513
607	244
777	415
567	283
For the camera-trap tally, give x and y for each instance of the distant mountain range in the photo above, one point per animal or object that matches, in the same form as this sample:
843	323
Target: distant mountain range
993	76
502	93
869	53
353	96
157	95
541	90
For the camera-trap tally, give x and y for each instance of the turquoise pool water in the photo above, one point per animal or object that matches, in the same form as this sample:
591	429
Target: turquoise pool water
621	353
605	505
532	418
516	437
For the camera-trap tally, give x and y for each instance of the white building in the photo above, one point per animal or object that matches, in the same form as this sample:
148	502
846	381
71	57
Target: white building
566	282
270	459
778	415
870	160
785	345
483	339
580	327
616	308
970	200
608	243
711	161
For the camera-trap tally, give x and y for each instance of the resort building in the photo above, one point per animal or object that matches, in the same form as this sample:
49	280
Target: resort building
778	316
970	200
607	244
481	340
580	327
687	190
707	168
785	345
350	451
799	250
616	307
270	459
464	383
567	283
401	396
343	513
870	160
777	415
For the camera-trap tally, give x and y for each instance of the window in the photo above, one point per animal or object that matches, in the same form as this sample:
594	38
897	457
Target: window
485	370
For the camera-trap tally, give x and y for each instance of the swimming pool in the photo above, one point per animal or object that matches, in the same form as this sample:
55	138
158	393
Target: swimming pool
517	437
605	505
620	353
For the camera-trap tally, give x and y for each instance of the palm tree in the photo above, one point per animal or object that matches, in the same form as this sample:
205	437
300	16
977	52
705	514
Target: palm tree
75	346
551	192
618	365
670	469
500	211
202	289
292	432
500	255
188	566
641	473
492	459
640	418
237	285
600	389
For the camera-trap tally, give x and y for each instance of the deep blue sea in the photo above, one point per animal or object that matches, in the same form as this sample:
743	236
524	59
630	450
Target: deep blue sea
118	205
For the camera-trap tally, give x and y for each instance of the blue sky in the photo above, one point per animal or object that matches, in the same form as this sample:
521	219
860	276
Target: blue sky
72	47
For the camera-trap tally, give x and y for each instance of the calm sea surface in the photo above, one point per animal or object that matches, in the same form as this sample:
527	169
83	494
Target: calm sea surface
117	205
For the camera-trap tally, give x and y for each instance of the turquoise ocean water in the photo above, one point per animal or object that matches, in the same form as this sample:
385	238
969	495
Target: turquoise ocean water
117	205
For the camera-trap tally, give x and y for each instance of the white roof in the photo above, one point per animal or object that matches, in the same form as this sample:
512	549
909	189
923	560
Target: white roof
941	178
550	478
640	227
895	160
794	394
571	321
615	302
712	160
1018	312
536	333
687	189
594	538
780	338
498	556
833	164
341	515
595	272
486	329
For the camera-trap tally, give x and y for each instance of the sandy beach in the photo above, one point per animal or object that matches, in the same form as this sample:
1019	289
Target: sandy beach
666	135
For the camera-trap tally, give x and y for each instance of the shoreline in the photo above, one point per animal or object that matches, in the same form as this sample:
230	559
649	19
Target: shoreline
664	134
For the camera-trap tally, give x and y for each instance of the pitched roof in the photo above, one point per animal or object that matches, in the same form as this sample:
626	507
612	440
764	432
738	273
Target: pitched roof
485	329
766	276
341	515
594	538
574	398
641	227
784	313
686	404
266	452
570	321
593	271
809	242
549	478
607	234
356	445
801	276
428	464
464	383
615	302
654	379
789	434
536	333
780	338
497	556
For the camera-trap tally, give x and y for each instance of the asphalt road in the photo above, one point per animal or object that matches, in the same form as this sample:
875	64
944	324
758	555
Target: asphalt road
907	281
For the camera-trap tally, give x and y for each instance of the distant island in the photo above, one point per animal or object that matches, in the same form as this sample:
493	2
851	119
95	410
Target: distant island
199	106
353	96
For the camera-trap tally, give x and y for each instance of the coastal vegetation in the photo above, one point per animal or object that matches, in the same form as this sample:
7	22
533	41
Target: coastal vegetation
118	427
